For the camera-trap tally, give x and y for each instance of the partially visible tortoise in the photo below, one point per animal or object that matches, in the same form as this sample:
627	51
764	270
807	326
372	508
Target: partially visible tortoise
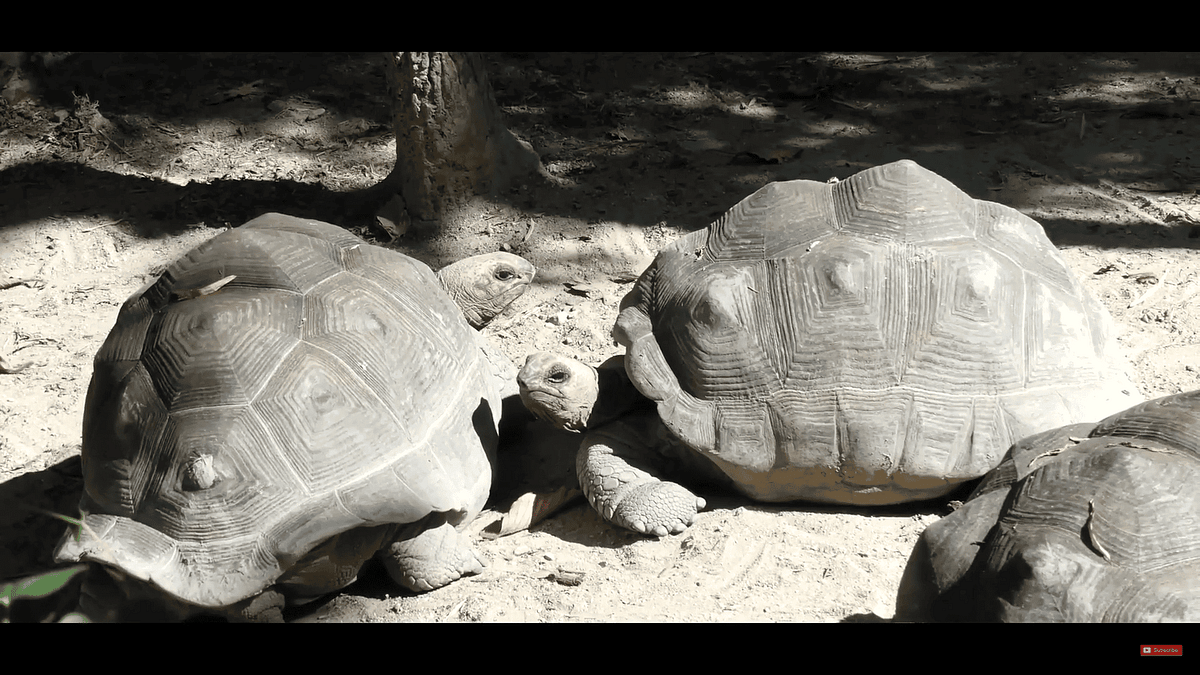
1088	522
282	404
873	341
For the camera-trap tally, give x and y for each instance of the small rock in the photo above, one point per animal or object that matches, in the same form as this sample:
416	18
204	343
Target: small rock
568	577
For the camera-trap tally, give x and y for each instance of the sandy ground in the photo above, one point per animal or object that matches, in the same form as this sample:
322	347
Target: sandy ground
113	165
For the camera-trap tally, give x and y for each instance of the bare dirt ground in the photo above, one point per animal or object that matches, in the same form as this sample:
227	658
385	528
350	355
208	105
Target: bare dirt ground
113	165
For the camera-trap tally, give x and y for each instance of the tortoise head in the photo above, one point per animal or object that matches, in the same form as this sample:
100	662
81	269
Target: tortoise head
484	285
571	395
559	389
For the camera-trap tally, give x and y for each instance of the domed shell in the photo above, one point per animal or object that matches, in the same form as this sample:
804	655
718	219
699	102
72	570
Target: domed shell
325	385
871	341
1088	522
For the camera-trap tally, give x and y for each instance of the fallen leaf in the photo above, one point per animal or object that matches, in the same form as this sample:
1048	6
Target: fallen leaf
531	508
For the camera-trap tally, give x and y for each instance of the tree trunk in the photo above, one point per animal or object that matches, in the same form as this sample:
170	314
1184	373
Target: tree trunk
451	141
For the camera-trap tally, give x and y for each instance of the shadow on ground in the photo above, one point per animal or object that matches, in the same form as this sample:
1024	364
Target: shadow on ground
648	138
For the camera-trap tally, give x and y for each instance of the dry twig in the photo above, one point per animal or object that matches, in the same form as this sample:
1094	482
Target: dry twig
31	283
192	293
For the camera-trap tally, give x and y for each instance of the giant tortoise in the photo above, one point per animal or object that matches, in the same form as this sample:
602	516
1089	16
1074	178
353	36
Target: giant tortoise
1085	523
285	402
877	340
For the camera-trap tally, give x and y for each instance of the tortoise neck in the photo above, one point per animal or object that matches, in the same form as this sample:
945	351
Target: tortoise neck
617	395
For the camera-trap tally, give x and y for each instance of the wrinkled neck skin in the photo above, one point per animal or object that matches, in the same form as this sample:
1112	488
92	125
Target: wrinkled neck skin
616	395
483	286
477	307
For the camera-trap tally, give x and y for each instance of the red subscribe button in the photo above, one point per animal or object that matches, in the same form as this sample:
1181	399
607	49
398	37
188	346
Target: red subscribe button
1162	650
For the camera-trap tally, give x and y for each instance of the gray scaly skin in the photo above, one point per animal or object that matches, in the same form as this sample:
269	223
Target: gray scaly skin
432	559
484	285
624	443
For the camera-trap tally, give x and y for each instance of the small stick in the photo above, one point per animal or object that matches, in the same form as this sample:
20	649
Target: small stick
110	140
1048	453
31	283
1151	448
192	293
115	222
528	232
1051	453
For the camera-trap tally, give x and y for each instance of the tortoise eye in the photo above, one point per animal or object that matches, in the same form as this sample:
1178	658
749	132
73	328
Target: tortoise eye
505	274
558	377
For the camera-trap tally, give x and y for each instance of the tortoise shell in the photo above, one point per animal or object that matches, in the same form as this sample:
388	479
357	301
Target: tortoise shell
1085	523
280	384
872	341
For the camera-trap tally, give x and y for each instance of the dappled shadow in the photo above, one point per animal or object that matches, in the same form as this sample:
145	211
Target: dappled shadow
728	499
676	138
157	208
190	87
691	134
144	95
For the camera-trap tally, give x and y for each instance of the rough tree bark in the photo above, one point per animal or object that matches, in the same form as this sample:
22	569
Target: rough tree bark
451	141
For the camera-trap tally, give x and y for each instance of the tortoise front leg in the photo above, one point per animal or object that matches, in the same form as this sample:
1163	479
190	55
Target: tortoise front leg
432	558
623	493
